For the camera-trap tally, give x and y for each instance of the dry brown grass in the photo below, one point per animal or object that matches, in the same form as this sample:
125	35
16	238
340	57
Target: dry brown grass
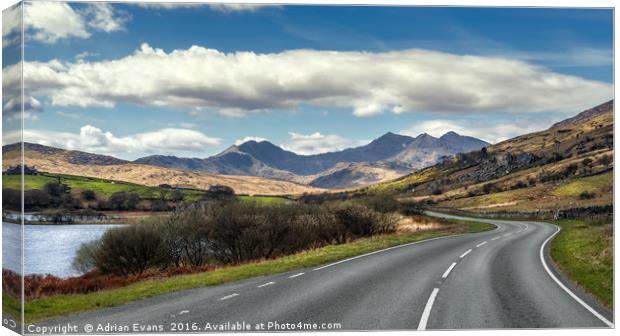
153	176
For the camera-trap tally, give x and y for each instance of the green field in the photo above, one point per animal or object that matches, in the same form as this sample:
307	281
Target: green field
104	188
60	305
584	251
586	184
267	200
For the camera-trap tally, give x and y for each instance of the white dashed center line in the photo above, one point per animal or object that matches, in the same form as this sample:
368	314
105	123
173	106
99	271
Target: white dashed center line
464	254
484	242
495	238
266	284
445	275
229	296
427	310
508	234
296	275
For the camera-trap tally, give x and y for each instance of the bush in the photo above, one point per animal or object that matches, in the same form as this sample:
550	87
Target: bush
606	160
381	202
159	205
12	199
130	250
586	195
68	202
185	237
88	195
229	231
411	209
36	199
570	170
86	258
220	191
519	185
122	200
56	189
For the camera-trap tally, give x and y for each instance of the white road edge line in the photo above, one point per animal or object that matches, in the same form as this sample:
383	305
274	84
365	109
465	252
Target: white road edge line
387	249
484	242
296	275
447	272
228	296
266	284
573	295
466	253
427	310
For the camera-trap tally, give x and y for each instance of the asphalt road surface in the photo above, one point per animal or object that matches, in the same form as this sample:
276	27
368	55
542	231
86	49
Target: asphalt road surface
495	279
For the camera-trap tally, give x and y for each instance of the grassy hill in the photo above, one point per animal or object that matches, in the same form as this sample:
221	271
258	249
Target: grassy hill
105	188
59	161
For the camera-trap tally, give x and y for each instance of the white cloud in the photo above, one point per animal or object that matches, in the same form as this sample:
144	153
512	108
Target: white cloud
68	115
14	105
238	7
11	25
51	21
94	140
492	131
368	83
316	143
220	7
48	21
103	17
249	138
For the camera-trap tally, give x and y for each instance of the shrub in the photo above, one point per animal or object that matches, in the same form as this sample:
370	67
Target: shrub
219	190
130	250
122	200
229	231
11	199
411	209
56	189
437	191
606	160
88	195
86	257
159	205
383	202
68	202
570	170
586	195
519	185
186	237
36	199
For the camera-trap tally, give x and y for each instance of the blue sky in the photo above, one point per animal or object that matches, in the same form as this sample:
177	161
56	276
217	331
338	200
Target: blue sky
308	78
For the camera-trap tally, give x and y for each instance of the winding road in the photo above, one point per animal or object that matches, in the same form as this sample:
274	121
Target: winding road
495	279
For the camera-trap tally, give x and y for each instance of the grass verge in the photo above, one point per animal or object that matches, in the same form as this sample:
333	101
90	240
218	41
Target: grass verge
584	251
60	305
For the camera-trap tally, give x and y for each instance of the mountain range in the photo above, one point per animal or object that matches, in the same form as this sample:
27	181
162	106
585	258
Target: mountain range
386	157
404	162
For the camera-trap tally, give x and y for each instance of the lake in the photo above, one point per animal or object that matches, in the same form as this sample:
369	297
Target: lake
48	249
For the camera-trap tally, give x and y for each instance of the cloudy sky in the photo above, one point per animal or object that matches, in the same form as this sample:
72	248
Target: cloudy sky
133	80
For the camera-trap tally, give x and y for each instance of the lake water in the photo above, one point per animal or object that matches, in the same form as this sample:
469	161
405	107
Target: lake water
48	249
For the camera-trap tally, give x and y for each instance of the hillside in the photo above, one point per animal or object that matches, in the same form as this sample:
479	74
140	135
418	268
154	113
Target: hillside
54	160
566	166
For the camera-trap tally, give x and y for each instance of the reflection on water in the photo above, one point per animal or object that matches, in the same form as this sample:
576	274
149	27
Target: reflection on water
48	249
